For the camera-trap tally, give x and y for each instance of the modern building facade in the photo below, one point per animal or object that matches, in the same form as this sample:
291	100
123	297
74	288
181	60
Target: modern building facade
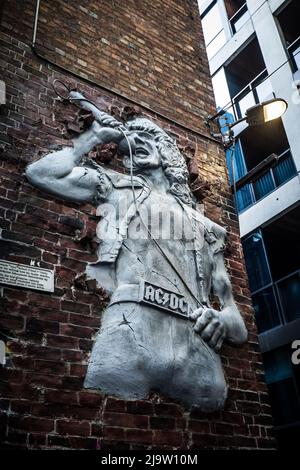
253	49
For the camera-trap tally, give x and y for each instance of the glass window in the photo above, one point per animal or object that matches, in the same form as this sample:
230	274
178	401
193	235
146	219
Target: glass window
245	69
289	291
281	384
256	262
277	365
266	311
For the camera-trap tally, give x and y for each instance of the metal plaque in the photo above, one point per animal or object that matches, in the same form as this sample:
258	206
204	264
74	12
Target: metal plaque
22	275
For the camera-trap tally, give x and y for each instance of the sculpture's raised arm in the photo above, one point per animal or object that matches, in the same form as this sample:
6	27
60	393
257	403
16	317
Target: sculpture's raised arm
61	174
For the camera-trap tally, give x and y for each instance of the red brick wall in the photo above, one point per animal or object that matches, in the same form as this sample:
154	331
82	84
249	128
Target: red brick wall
50	336
146	48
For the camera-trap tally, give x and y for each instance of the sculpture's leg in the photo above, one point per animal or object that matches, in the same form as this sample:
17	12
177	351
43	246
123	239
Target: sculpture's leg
198	378
119	363
140	348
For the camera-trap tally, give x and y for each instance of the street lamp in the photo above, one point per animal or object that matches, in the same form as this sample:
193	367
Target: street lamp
264	112
255	116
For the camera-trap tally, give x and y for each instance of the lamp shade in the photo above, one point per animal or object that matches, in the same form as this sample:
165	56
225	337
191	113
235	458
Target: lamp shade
266	111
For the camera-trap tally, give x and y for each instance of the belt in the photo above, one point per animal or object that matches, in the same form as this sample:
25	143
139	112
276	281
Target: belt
150	294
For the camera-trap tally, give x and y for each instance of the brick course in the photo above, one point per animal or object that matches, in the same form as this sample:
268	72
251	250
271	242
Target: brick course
150	53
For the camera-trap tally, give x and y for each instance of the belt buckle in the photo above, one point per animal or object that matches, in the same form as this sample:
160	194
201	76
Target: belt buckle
164	299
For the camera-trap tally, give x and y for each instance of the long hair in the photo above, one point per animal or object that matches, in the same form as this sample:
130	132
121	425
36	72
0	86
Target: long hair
173	163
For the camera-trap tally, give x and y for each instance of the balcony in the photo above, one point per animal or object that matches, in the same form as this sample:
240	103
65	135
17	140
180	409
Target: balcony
258	90
213	22
294	52
238	14
260	186
247	86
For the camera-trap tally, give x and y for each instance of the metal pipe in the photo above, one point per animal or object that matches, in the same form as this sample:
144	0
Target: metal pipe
36	19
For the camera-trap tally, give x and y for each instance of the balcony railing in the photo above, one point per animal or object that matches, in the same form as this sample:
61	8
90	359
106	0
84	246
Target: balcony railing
258	90
239	18
294	52
261	186
215	44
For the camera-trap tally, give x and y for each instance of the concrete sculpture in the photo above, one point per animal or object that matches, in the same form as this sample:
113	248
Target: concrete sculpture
158	257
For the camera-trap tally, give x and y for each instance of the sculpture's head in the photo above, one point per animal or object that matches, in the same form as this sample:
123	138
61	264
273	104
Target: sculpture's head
153	148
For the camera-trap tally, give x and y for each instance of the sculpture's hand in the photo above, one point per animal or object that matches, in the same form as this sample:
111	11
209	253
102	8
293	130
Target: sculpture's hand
75	95
104	119
210	325
107	132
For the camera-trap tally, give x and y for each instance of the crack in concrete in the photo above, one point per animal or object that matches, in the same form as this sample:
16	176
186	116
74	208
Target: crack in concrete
109	222
171	282
130	251
144	347
128	323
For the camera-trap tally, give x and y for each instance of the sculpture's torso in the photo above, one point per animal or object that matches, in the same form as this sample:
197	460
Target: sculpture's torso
141	347
141	258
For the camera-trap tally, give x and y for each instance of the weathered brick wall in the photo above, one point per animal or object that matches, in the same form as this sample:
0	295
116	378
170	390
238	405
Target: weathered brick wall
50	336
146	48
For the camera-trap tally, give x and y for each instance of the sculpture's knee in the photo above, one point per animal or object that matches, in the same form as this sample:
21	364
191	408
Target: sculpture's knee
121	370
220	390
